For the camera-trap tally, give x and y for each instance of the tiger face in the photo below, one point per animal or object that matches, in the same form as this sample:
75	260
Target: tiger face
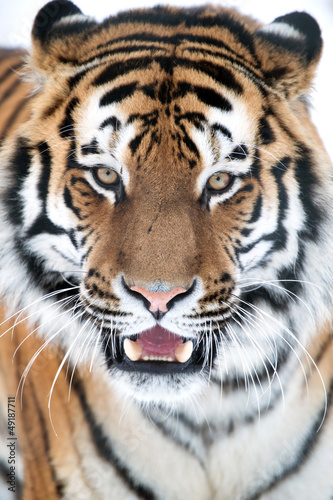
164	202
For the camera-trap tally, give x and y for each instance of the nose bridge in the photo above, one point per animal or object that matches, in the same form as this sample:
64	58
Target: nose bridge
160	244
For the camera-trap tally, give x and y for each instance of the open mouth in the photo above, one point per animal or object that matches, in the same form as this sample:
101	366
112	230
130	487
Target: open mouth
157	351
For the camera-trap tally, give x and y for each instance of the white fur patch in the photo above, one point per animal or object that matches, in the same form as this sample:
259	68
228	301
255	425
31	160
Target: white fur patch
284	30
74	19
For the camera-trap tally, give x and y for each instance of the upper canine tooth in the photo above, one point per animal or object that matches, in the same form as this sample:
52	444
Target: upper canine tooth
183	352
133	350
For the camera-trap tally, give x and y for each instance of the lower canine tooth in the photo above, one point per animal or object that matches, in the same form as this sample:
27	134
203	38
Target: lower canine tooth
133	350
183	352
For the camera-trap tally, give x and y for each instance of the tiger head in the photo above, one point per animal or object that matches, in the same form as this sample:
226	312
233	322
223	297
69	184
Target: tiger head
168	200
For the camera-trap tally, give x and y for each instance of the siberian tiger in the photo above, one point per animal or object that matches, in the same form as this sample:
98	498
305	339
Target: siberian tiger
166	260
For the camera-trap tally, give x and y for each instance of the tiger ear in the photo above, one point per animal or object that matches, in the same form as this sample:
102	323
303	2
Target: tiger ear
56	34
290	48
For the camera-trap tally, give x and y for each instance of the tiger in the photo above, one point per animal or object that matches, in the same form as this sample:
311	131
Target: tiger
166	259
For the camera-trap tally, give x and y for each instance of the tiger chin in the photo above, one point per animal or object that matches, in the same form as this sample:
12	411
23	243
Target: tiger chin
166	258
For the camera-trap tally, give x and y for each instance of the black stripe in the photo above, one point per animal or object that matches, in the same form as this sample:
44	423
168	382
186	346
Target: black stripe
211	98
303	453
186	445
307	182
278	238
10	71
35	268
10	91
193	428
217	127
90	149
280	235
113	121
44	180
228	252
118	94
74	80
68	199
195	17
127	49
135	143
239	153
43	224
149	119
266	133
214	70
278	300
117	69
40	424
107	451
258	376
257	210
220	74
204	94
189	143
19	169
66	127
10	121
58	484
288	278
323	349
52	108
193	117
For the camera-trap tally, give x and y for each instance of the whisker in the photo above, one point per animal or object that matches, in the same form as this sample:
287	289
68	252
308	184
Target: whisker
68	352
17	314
297	341
36	354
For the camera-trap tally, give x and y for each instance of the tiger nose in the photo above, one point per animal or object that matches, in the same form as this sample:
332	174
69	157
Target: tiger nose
158	300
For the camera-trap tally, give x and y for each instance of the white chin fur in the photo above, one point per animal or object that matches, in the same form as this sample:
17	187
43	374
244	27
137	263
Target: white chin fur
158	389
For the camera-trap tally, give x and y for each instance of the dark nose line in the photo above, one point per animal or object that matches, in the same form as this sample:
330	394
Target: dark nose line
158	315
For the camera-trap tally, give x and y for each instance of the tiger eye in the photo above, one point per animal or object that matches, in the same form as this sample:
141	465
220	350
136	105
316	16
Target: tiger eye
106	176
219	181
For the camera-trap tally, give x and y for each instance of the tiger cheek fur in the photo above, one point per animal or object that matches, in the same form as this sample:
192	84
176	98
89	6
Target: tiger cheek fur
166	261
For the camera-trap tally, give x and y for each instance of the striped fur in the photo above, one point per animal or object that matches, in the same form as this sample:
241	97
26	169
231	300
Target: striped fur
166	103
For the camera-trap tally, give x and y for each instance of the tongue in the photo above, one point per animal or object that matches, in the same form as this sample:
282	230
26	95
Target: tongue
158	344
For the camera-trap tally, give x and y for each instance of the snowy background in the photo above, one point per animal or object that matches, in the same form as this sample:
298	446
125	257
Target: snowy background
16	18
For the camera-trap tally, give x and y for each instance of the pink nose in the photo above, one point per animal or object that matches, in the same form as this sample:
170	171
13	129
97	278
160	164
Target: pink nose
158	300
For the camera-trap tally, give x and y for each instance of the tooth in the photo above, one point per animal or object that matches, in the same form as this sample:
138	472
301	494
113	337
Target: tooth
133	350
184	351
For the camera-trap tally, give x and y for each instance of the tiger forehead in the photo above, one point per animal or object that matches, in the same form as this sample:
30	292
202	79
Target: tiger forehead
174	34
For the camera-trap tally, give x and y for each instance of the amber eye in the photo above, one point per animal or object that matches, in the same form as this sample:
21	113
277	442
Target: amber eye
219	181
105	177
